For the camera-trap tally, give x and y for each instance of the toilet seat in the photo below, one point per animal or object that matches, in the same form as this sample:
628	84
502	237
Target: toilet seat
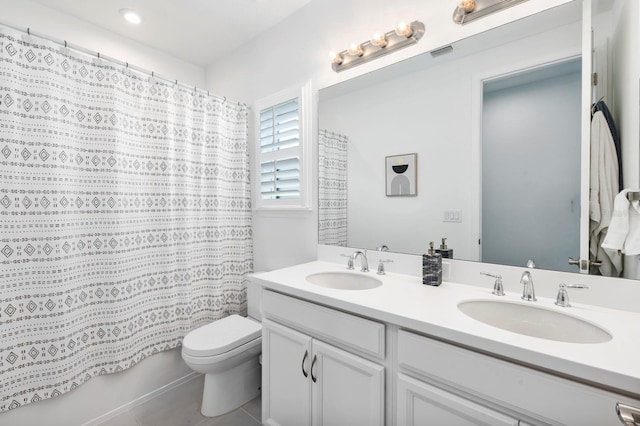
220	337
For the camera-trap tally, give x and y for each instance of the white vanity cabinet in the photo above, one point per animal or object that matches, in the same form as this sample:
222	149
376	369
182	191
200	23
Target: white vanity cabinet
440	383
307	381
286	385
403	354
420	403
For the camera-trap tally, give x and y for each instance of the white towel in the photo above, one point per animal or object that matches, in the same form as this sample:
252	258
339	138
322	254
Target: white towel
632	243
624	230
602	190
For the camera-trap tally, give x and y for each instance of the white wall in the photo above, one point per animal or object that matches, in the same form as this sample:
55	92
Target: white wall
626	69
105	393
426	112
297	50
43	20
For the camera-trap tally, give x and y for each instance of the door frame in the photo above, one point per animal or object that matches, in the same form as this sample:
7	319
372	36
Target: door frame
477	103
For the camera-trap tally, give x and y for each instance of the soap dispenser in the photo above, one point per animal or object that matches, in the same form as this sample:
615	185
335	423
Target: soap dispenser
446	252
432	267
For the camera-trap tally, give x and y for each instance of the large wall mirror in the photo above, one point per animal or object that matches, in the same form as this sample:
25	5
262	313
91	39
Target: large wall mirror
495	126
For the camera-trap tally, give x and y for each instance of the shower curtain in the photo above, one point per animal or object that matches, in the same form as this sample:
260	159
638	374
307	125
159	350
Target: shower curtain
125	216
332	188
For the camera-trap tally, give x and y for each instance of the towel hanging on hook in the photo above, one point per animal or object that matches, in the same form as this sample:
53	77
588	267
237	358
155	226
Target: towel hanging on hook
601	105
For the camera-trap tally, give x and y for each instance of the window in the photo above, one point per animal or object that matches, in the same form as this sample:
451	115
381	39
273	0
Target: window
280	151
281	161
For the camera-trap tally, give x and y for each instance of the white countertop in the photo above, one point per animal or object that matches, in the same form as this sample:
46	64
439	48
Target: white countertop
404	301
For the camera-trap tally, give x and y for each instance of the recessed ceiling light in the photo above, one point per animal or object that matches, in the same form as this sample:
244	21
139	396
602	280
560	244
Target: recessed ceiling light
131	16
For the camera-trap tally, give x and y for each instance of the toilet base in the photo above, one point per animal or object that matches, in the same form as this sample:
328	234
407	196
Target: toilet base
227	390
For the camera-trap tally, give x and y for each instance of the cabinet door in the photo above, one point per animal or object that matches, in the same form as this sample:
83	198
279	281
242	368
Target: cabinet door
422	404
347	389
286	392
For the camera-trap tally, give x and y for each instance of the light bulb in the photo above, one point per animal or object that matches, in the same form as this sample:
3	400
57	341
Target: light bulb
379	40
336	58
404	30
355	49
468	6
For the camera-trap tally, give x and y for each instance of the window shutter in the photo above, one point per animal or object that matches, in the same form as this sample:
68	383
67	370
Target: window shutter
280	151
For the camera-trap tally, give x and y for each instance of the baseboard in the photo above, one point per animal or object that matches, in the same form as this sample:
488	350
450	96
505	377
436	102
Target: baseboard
141	400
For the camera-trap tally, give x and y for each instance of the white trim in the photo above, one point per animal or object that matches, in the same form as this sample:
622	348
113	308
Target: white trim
304	93
283	211
141	400
477	86
585	160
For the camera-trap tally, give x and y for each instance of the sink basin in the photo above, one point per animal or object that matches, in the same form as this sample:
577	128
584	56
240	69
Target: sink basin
344	281
534	321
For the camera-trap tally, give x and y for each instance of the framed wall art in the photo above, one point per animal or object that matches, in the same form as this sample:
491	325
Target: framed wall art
401	175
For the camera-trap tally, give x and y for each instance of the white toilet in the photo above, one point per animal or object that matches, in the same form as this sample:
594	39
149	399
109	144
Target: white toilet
227	351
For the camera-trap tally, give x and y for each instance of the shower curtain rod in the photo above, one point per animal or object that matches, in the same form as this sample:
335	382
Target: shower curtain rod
98	55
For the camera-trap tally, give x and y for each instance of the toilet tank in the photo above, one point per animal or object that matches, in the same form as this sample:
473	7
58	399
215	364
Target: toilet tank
254	299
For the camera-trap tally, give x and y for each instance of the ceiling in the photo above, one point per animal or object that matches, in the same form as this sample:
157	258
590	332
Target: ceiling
197	31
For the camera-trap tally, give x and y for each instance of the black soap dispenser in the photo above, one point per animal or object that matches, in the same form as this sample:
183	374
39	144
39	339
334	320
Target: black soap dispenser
446	252
432	267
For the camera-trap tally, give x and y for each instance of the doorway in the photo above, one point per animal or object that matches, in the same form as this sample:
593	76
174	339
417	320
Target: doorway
530	167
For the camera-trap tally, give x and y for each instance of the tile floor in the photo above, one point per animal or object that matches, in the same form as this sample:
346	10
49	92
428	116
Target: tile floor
181	407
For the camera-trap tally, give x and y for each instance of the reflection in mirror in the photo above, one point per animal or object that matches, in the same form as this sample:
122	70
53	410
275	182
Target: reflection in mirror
332	188
427	105
530	162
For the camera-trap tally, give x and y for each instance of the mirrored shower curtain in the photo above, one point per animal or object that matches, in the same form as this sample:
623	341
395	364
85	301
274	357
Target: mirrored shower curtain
125	216
332	188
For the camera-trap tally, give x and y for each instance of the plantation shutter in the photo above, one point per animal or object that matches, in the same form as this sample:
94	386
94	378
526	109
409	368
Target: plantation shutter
280	151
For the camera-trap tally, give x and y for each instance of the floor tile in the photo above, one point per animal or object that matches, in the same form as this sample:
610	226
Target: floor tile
181	407
124	419
235	418
254	408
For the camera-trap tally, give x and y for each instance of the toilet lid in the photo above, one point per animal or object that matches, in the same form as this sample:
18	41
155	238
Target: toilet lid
221	336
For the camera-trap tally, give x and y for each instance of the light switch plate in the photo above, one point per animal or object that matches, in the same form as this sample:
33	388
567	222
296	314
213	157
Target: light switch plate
452	216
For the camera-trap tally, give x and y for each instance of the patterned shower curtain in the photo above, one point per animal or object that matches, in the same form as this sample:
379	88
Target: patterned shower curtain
332	188
125	216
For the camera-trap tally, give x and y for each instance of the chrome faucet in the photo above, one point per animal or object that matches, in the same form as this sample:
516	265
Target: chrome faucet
528	292
364	264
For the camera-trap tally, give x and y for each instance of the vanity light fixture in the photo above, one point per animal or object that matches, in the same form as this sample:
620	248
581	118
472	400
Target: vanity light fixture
469	10
380	44
130	16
